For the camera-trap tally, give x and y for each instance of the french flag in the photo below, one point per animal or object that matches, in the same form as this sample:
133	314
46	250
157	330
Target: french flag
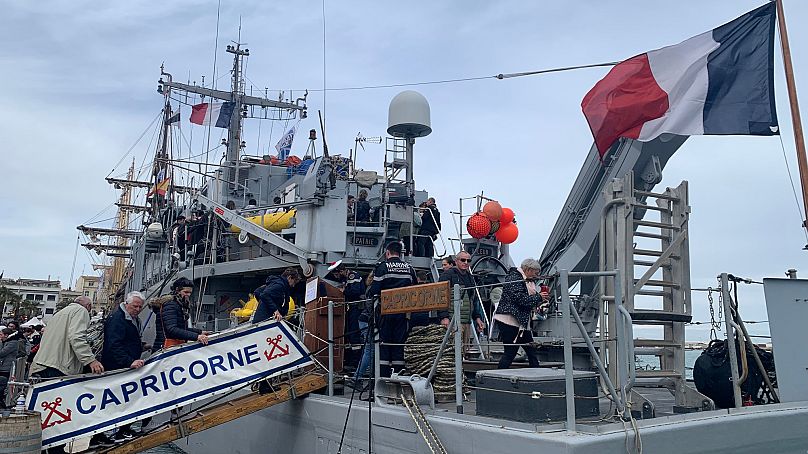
718	83
213	113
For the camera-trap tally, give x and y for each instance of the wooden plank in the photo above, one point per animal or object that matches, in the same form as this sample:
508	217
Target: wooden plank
220	414
416	298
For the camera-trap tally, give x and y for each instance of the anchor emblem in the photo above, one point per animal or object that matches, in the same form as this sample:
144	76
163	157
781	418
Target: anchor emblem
275	345
52	408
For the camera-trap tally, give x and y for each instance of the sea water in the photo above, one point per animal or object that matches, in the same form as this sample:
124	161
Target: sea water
652	362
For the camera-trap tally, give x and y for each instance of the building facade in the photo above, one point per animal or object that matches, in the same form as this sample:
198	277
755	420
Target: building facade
43	294
90	287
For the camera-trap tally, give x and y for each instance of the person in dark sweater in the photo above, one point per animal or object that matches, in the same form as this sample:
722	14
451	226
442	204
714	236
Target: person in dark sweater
122	345
353	288
520	296
172	318
362	209
11	347
273	297
430	227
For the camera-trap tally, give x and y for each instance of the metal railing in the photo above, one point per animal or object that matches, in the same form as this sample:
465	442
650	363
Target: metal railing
625	359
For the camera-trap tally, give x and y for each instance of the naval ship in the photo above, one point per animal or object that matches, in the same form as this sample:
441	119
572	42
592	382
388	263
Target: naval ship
621	243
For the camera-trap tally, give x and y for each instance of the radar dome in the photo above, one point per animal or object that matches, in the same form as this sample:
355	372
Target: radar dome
409	116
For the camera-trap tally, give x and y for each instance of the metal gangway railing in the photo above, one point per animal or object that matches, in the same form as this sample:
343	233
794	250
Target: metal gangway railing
619	390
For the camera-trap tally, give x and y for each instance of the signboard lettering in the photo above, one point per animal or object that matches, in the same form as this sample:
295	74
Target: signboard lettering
417	298
365	241
78	406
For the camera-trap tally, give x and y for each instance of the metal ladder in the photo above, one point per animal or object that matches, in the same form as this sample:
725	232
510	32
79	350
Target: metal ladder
395	159
655	255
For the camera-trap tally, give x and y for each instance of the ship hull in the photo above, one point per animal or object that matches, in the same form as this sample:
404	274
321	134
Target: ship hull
315	425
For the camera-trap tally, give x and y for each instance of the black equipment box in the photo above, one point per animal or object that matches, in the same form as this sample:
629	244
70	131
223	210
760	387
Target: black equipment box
534	394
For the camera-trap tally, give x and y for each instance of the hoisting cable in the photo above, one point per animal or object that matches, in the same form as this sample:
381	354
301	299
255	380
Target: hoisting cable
500	76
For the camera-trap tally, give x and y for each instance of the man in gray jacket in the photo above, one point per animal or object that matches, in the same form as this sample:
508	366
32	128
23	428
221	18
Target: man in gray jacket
64	349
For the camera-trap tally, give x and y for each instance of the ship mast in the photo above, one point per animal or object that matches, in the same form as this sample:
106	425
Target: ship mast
113	274
243	107
796	121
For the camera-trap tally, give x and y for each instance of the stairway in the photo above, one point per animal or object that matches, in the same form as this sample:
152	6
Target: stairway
655	255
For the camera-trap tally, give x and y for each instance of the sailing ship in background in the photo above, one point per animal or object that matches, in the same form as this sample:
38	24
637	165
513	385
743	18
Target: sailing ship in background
597	242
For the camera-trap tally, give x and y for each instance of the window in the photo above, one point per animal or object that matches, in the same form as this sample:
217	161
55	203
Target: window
39	297
51	297
48	311
29	296
86	293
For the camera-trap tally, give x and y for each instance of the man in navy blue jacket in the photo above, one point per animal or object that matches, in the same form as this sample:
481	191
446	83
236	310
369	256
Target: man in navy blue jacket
122	345
353	289
273	297
389	274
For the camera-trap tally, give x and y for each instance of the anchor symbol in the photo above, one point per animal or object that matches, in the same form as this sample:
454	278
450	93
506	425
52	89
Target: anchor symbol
52	407
275	343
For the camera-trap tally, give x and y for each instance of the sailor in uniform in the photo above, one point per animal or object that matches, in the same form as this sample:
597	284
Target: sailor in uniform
389	274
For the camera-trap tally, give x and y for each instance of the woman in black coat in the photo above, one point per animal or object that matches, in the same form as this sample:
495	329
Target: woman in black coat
520	295
172	317
9	352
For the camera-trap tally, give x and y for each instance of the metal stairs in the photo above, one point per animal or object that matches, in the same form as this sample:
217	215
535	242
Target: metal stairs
655	255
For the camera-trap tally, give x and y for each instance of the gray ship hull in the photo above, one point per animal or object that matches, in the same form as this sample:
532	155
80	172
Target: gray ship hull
314	425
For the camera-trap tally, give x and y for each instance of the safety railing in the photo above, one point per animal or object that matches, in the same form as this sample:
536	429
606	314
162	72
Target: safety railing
624	334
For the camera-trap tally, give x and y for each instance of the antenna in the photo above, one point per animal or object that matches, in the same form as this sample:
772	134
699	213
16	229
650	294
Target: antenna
360	142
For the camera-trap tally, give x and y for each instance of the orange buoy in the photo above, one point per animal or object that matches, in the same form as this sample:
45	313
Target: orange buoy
507	233
507	216
493	210
478	225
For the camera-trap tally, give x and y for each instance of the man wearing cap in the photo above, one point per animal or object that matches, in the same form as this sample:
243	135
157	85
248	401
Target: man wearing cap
353	288
389	274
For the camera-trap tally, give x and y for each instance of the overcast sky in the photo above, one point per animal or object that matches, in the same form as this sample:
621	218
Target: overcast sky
79	81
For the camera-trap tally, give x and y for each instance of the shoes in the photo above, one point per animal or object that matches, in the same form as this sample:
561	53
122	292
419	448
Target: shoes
264	388
101	441
124	434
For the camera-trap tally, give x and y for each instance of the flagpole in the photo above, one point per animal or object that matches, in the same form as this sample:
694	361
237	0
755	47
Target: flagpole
799	139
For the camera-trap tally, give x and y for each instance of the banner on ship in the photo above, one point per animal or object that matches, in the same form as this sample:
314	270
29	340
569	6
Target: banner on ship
80	406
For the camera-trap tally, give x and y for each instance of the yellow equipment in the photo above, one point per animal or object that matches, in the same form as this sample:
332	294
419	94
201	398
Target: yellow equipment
244	313
274	222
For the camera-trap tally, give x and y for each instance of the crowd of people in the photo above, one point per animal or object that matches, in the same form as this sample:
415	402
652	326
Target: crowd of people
63	348
423	229
518	301
18	345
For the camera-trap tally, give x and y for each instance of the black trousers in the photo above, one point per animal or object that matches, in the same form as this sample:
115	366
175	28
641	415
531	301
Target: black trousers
354	342
423	247
510	335
49	372
392	330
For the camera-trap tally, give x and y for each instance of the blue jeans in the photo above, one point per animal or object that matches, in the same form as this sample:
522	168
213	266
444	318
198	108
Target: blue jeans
367	352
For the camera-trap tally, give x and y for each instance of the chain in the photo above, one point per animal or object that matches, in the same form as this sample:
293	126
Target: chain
714	325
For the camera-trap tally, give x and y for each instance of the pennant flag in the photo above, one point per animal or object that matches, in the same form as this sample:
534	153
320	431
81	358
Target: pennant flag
284	146
173	119
160	188
717	83
213	113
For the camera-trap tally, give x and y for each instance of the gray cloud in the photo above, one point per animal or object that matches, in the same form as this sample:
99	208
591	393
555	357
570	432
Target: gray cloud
79	81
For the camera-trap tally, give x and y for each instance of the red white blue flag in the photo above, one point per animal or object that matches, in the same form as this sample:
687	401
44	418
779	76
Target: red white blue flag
718	83
213	113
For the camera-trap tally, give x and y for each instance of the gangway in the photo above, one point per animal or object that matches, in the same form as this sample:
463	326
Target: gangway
222	413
